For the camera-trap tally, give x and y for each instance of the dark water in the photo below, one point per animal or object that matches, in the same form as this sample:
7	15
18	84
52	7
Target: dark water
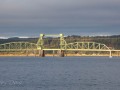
56	73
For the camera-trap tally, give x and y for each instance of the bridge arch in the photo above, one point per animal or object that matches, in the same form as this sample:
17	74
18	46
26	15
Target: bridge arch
86	46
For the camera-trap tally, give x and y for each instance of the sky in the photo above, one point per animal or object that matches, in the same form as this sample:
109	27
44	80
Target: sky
70	17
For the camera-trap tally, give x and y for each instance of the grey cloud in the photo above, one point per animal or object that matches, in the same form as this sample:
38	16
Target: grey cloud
71	16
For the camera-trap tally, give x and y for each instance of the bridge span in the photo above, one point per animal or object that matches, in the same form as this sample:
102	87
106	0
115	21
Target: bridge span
63	47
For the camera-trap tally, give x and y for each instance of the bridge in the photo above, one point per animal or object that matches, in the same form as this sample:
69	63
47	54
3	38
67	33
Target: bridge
63	46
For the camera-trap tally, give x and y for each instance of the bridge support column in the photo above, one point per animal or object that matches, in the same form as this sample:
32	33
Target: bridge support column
61	53
118	53
110	54
53	53
65	53
35	52
41	53
27	52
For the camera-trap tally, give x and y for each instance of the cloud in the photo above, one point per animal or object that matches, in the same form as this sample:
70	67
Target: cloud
54	16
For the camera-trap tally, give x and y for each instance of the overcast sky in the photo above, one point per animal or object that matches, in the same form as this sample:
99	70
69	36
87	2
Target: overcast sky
80	17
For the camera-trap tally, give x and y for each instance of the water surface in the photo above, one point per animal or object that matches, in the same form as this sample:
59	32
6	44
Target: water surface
57	73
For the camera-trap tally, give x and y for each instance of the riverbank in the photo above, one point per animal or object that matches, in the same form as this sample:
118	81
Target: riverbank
24	55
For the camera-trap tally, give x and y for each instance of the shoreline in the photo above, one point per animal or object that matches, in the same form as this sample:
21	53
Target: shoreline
55	55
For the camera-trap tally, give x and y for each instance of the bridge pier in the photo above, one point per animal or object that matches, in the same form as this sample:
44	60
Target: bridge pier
53	53
61	53
110	54
35	52
65	53
41	53
27	52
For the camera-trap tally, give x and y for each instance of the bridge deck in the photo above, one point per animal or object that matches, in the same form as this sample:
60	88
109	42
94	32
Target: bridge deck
56	49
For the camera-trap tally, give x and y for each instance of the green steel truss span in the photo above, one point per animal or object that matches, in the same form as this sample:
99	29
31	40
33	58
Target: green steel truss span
21	46
86	46
17	46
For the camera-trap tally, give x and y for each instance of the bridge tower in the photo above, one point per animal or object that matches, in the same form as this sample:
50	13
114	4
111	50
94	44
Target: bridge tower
40	42
40	45
62	46
62	42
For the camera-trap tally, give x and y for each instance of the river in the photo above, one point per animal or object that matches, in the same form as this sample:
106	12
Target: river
59	73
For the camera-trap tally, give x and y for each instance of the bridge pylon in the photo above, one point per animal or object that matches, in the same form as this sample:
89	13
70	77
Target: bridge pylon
40	42
62	44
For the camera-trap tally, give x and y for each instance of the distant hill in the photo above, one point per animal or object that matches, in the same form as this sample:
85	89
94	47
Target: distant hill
17	39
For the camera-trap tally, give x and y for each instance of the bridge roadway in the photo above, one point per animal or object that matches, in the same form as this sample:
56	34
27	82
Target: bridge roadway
80	50
57	49
77	50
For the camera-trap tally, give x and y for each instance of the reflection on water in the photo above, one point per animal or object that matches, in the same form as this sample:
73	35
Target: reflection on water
56	73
